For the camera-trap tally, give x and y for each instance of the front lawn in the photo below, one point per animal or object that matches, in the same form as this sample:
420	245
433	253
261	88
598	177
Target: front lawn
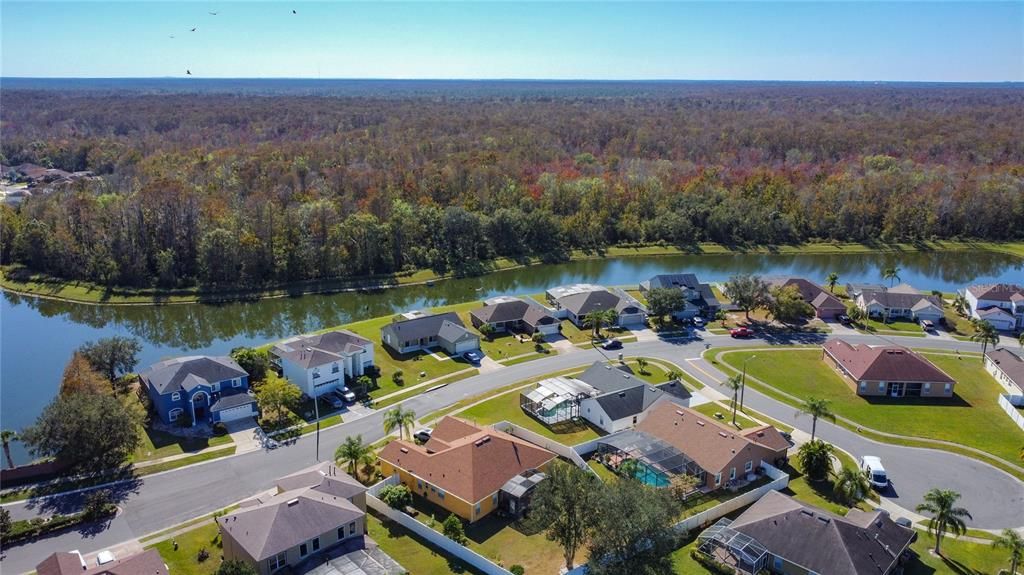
653	373
411	552
185	560
959	558
901	325
157	444
957	324
506	407
710	409
820	493
973	417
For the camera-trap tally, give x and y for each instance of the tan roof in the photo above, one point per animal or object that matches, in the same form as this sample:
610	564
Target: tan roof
325	478
767	436
884	363
713	446
146	563
812	293
464	460
996	292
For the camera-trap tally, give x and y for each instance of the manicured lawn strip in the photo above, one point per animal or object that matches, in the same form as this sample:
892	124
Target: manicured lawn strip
157	444
893	325
820	493
603	472
653	373
184	560
959	558
176	463
709	409
972	418
957	325
448	379
524	359
506	407
184	525
324	423
413	553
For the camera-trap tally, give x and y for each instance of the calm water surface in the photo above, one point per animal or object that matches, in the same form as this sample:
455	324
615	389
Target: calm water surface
37	336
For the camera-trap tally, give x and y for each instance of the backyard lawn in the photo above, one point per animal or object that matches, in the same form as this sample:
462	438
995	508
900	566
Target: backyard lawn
973	417
185	560
506	407
410	551
157	444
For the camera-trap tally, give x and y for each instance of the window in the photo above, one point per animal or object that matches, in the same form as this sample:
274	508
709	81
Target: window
947	387
216	386
634	420
732	473
237	382
440	494
277	561
303	550
476	509
352	528
175	413
334	368
778	563
175	396
863	386
316	543
749	466
881	386
927	388
494	499
718	479
341	533
316	373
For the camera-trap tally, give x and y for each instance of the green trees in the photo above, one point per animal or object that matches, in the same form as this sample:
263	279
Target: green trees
486	330
235	567
851	484
598	319
892	274
788	306
856	315
734	383
644	543
112	356
1014	544
353	454
664	301
87	430
401	419
946	517
641	365
396	496
6	437
277	397
255	362
453	529
748	292
564	505
398	377
986	334
815	459
960	304
816	408
831	281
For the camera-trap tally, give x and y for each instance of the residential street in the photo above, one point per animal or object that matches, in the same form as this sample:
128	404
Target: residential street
156	502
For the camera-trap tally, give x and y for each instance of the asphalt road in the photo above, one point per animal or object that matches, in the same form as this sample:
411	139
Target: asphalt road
159	501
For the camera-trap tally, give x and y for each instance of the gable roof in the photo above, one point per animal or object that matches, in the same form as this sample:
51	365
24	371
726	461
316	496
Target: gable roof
325	478
858	544
900	299
711	445
148	562
1009	363
501	310
287	519
997	292
995	312
811	292
607	378
581	304
319	349
464	460
424	327
185	373
454	332
884	363
629	401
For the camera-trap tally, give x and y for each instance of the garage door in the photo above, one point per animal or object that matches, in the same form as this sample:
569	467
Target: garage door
464	346
631	319
236	413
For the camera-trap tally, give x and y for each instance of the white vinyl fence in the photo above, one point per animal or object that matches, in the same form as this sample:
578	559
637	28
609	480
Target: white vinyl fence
464	554
551	445
1010	403
780	480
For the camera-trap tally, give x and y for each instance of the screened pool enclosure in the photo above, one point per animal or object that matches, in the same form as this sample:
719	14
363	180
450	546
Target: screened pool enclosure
728	546
652	461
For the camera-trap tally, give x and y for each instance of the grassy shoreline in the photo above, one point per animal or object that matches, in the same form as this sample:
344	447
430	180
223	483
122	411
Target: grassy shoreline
17	280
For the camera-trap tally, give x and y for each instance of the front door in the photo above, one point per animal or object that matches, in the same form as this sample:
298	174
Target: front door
895	389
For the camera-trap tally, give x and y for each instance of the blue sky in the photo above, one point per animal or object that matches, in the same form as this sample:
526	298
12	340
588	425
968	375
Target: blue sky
913	41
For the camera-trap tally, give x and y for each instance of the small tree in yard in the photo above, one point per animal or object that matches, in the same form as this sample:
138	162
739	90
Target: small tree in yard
788	306
253	361
747	292
831	281
398	378
235	567
641	363
986	334
720	316
852	485
277	397
453	529
97	504
6	437
538	341
946	516
816	408
352	453
91	431
5	524
486	330
401	419
598	319
365	383
664	301
112	355
1014	544
396	496
815	459
856	315
564	505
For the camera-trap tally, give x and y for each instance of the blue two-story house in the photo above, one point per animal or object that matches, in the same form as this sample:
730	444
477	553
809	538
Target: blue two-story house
204	389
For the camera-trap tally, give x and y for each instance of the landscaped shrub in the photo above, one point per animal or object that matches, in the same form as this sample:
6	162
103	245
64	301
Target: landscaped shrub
203	555
396	496
398	377
453	529
517	569
37	526
220	429
710	564
235	567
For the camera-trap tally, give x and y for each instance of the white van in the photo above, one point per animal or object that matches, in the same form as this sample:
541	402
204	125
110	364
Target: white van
876	473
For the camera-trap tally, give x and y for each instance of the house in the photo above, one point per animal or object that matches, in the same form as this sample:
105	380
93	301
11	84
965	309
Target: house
887	370
1002	305
717	453
417	330
322	362
508	313
309	514
203	388
900	302
463	467
147	562
578	300
826	305
781	535
855	289
1007	368
698	296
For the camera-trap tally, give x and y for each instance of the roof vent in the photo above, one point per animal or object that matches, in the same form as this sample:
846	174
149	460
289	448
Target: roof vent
680	413
700	423
807	513
482	440
824	519
403	450
293	502
723	434
622	394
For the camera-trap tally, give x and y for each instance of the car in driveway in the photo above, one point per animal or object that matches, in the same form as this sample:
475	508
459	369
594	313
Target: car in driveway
473	356
334	398
927	325
347	394
741	332
698	321
423	435
612	344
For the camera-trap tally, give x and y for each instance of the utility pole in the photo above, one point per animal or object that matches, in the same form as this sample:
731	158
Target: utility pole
316	411
743	380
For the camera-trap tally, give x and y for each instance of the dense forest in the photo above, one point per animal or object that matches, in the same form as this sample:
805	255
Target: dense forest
217	187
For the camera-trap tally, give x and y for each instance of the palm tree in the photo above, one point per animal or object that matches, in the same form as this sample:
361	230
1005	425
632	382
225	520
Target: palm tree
400	419
941	503
6	437
959	303
629	468
641	363
891	274
352	453
734	383
851	484
815	458
832	280
1014	543
599	318
816	408
673	375
986	334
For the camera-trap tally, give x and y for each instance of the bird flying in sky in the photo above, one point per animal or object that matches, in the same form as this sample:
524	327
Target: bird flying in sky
188	72
213	13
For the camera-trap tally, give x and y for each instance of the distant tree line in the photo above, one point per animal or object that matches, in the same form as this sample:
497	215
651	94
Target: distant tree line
217	189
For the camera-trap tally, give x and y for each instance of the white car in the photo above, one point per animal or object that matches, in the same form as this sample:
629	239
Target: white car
872	466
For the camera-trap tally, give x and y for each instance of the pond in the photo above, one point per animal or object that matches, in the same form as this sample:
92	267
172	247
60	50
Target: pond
37	336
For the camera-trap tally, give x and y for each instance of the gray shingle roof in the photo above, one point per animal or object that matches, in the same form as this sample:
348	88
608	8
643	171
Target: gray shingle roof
185	373
325	347
899	299
513	310
233	400
1010	363
325	478
630	401
606	378
422	327
583	303
454	332
688	281
996	292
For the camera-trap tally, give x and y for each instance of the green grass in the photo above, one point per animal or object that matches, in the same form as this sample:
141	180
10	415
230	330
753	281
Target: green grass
184	561
606	475
972	418
959	558
654	372
410	551
193	459
157	444
957	325
899	325
709	409
506	407
324	423
448	379
186	524
820	493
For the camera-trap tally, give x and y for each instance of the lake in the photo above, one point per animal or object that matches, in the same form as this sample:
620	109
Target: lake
37	336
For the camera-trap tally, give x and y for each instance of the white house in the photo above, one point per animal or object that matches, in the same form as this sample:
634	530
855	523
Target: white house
1002	305
320	363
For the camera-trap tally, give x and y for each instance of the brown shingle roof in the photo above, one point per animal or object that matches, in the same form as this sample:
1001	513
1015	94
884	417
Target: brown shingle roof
714	447
812	293
996	292
146	563
884	363
464	460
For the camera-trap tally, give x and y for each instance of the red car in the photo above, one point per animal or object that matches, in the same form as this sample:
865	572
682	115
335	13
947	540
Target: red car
741	332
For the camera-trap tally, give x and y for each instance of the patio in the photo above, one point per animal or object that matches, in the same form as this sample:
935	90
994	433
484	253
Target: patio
730	547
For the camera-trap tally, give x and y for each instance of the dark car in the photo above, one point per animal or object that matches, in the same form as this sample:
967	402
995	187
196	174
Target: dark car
741	332
423	435
473	356
612	344
334	399
844	319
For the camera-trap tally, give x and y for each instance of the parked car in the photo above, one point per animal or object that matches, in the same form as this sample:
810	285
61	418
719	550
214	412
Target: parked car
872	466
423	435
612	344
334	399
698	321
347	394
473	356
741	332
927	325
844	319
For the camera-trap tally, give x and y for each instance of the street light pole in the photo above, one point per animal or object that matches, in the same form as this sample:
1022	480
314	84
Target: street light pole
743	380
316	411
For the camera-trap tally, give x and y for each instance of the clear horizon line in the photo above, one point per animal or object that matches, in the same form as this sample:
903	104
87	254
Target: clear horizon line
511	79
